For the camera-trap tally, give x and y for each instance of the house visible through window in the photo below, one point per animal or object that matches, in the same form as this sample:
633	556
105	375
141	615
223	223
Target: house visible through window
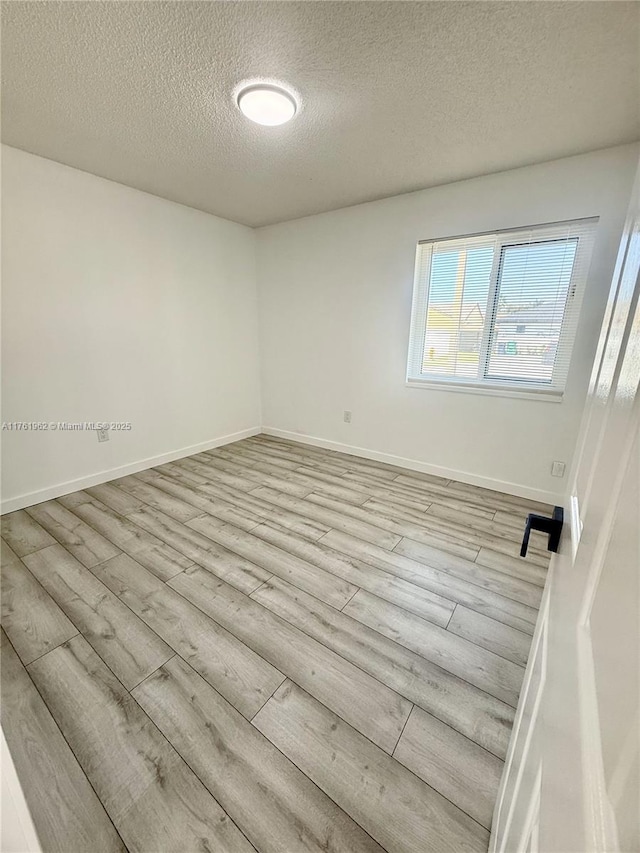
499	310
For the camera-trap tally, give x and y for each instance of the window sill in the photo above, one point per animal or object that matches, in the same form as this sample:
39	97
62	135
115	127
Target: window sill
486	389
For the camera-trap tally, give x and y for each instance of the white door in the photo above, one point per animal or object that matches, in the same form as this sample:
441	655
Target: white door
572	775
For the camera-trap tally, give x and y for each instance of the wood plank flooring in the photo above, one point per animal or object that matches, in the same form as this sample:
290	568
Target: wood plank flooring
266	647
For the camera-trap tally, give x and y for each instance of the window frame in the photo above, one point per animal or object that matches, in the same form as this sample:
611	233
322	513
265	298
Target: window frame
552	391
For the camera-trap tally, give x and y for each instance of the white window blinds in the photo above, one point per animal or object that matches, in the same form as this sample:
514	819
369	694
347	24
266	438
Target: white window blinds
499	310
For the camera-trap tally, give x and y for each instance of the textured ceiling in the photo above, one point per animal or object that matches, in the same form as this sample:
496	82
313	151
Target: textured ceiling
396	96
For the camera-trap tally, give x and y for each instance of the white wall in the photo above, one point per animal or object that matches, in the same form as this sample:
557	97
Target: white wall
117	306
335	303
121	306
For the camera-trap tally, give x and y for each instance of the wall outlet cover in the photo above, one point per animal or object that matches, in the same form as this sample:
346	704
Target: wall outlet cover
103	434
347	417
557	469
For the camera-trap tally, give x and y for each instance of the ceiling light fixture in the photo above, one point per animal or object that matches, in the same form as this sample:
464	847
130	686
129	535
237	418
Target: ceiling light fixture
267	104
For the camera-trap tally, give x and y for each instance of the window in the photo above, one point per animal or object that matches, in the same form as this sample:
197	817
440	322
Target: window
499	311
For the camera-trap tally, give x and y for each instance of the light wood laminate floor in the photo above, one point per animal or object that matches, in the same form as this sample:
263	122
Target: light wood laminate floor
270	647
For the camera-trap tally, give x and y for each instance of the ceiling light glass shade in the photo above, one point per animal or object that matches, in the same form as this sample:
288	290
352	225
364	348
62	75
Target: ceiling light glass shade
267	105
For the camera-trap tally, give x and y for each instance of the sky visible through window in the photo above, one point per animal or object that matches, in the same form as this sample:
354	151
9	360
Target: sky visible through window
538	272
444	269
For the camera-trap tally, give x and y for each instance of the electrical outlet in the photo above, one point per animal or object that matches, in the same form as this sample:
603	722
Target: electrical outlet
557	469
347	417
103	434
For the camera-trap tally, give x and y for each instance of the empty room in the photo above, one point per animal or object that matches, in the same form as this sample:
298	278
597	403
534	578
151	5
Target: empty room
320	426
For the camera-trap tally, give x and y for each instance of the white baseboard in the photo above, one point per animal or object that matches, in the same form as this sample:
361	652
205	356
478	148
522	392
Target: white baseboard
31	498
12	504
505	486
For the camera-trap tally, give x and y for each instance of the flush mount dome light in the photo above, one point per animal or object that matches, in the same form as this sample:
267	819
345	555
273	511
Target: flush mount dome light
267	104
